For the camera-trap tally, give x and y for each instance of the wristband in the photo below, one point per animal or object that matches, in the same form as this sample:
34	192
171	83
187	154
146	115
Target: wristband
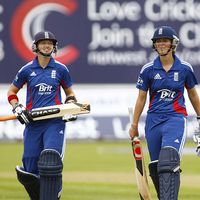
11	97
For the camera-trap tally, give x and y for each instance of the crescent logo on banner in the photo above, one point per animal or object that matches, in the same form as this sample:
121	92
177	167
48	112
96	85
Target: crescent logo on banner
30	17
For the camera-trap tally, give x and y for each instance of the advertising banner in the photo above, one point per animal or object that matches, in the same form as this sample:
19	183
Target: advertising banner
108	118
100	41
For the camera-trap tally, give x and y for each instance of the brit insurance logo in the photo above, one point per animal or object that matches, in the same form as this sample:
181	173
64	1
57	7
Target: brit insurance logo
166	95
30	17
43	88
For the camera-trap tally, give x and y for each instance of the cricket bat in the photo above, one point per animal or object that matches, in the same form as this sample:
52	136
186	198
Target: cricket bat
55	111
140	170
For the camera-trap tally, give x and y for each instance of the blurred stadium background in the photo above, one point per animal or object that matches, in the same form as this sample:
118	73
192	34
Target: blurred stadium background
104	44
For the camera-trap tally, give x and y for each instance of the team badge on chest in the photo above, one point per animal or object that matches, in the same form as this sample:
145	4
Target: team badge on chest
53	74
175	76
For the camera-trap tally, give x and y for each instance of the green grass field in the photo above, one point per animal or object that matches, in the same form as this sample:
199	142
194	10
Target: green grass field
95	171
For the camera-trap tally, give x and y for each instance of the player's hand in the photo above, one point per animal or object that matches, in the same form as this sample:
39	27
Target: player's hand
198	150
198	121
69	118
70	99
22	114
133	131
196	137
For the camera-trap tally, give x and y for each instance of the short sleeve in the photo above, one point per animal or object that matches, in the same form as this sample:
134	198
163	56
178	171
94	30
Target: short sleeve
66	78
191	80
142	82
20	78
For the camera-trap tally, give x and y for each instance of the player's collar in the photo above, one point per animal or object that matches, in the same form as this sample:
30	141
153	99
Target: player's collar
50	64
158	65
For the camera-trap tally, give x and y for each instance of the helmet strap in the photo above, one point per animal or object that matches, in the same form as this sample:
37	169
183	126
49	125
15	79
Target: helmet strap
45	55
165	53
171	48
36	50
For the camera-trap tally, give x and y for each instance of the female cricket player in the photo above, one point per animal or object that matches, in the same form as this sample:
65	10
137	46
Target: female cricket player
165	129
44	141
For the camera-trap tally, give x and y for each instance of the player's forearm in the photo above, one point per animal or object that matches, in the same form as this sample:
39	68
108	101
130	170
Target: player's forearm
70	95
194	99
196	105
139	106
12	95
12	98
133	131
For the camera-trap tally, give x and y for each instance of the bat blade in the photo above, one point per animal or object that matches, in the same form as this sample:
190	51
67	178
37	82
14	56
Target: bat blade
140	171
55	111
59	111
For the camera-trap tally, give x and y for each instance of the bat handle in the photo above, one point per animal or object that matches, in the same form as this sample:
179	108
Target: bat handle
136	138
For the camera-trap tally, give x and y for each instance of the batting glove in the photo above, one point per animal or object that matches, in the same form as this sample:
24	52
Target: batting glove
22	114
196	137
69	118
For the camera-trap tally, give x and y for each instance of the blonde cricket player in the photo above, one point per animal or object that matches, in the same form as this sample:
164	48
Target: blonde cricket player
165	78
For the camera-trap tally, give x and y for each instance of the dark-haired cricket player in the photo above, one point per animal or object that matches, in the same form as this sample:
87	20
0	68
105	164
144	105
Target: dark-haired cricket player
44	141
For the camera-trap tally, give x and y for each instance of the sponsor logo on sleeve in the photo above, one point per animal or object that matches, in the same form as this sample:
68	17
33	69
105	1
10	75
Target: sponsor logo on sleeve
140	81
